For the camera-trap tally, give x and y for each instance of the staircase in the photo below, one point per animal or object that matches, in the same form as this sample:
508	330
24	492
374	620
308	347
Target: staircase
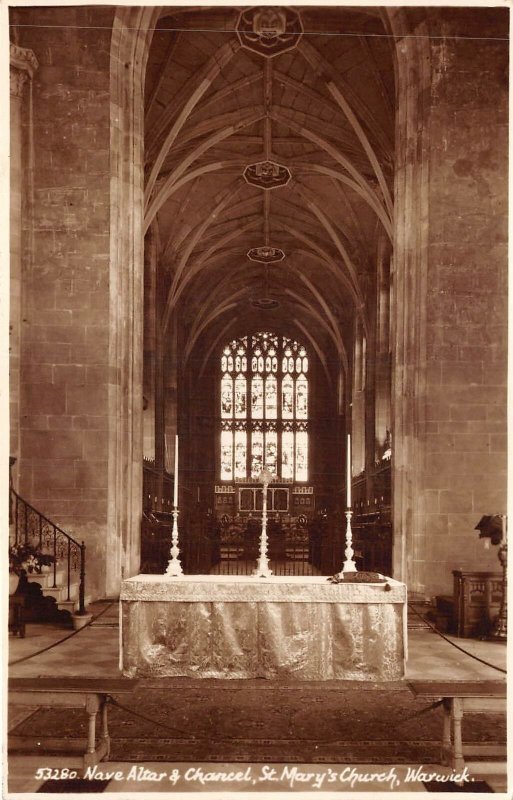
60	591
64	580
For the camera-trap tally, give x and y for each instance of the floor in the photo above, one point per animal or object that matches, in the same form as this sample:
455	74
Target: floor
97	647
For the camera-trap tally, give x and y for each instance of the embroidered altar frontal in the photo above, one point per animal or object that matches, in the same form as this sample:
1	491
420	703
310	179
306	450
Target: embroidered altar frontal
228	626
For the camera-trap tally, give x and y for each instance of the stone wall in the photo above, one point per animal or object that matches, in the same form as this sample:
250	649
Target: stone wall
466	315
65	318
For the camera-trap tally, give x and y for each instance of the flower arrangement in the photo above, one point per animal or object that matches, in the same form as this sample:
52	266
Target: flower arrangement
23	558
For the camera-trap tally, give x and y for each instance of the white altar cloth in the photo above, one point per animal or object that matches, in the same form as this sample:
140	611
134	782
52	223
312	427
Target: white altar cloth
229	626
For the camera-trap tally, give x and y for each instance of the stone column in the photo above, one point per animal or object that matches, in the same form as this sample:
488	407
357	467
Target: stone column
23	64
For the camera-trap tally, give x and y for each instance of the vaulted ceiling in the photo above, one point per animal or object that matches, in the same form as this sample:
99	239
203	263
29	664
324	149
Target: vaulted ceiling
317	117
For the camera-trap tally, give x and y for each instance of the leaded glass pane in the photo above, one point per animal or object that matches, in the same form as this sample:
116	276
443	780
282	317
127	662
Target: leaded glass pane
301	456
287	454
226	455
257	397
257	447
240	454
271	450
287	398
227	397
240	397
301	398
285	431
271	392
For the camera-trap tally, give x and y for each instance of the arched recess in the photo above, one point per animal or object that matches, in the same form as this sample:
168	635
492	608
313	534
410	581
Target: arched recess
408	276
131	38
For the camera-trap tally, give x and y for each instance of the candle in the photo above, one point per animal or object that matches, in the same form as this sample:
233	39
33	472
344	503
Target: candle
348	471
175	496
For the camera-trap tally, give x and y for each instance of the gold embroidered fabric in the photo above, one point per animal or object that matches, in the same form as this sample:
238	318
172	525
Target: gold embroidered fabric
191	629
242	588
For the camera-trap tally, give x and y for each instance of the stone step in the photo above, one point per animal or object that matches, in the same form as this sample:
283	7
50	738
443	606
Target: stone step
71	605
45	579
60	593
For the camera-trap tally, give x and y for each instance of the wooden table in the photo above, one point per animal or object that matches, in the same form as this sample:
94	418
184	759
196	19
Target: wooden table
228	626
89	693
477	697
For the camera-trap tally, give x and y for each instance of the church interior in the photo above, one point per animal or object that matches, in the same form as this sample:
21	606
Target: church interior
258	338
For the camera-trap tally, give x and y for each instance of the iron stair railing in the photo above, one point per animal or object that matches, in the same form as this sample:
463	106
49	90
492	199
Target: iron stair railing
34	529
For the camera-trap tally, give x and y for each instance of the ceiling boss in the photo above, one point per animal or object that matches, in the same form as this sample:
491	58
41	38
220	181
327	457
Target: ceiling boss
269	31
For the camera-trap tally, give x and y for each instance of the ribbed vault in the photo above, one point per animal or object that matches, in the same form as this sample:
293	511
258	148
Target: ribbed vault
322	110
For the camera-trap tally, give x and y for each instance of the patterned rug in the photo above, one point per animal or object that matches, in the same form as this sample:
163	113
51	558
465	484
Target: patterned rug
261	721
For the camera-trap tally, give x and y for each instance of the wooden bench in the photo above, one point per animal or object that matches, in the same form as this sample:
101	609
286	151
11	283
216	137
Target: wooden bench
89	693
477	697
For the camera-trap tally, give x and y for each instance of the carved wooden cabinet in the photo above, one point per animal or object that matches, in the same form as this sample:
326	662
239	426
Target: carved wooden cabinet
477	598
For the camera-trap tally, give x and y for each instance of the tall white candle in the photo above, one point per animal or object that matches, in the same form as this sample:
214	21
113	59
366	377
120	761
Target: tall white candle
175	496
348	470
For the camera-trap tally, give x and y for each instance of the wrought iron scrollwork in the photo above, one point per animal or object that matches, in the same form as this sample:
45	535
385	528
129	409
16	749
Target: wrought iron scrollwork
65	554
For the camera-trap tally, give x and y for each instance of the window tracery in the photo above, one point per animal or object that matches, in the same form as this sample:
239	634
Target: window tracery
264	395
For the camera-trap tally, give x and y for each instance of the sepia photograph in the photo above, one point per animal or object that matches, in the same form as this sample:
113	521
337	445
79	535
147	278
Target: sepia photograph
256	292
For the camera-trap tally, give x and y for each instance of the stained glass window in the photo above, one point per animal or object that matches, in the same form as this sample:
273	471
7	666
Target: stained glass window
271	450
257	448
240	454
271	406
301	456
257	397
287	397
287	455
301	397
264	403
226	455
240	397
226	397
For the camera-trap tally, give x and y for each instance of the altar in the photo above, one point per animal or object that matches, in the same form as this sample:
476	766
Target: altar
288	628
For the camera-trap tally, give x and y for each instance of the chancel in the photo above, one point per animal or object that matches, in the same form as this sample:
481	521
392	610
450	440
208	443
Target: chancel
258	326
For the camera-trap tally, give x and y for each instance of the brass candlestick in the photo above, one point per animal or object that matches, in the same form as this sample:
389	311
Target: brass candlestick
263	570
174	567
